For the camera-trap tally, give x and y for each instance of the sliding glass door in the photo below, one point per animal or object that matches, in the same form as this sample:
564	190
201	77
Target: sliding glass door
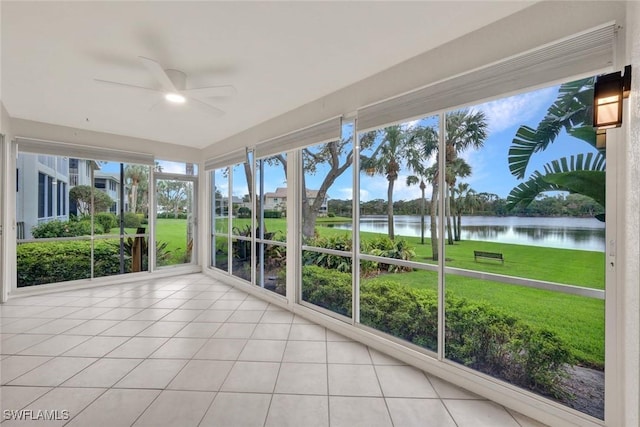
175	221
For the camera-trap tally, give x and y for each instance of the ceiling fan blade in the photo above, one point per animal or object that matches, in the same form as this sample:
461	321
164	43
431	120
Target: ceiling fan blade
110	83
206	107
159	73
210	92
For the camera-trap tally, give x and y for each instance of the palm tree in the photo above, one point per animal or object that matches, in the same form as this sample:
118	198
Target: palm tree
582	173
385	160
421	145
458	168
136	175
464	129
466	201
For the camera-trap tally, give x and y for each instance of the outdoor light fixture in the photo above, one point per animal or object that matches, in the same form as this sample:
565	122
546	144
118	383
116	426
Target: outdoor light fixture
609	91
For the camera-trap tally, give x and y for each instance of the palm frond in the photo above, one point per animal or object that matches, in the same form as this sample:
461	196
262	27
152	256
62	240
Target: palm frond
571	174
571	110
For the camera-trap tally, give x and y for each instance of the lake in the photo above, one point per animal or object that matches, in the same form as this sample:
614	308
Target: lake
558	232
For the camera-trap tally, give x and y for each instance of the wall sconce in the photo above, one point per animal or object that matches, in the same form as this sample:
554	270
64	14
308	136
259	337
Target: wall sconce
608	93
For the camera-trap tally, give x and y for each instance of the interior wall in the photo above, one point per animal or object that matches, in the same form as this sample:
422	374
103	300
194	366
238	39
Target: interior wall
7	218
542	23
49	132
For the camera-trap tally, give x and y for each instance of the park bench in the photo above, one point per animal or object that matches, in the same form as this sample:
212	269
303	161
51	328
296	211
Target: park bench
488	255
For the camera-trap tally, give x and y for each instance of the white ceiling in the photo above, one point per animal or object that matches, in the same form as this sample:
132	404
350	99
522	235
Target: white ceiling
278	55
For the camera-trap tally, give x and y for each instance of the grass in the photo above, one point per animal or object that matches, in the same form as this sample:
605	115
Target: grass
174	233
579	321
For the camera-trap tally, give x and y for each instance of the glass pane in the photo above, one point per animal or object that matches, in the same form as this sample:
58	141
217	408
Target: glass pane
241	199
326	281
174	223
530	338
271	184
241	264
220	253
220	201
271	271
328	197
53	262
397	186
522	204
403	304
166	166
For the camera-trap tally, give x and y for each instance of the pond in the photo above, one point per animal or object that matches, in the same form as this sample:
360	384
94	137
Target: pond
557	232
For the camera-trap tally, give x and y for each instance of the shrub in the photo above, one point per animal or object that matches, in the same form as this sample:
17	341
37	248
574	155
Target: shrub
331	215
131	220
476	334
380	246
328	289
106	220
65	229
244	212
53	262
272	214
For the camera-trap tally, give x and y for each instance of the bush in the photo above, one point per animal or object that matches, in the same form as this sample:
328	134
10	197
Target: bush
380	246
476	334
244	212
171	215
53	262
58	228
331	215
106	220
272	214
131	220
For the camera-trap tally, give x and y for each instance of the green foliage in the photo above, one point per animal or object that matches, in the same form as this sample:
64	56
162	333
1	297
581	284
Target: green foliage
58	228
477	335
53	262
327	288
381	246
106	220
272	214
331	215
131	220
89	199
244	212
171	215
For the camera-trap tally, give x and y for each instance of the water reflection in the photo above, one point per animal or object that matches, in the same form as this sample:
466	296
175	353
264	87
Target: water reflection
567	233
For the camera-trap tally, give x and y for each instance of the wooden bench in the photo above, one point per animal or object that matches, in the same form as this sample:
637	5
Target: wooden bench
488	255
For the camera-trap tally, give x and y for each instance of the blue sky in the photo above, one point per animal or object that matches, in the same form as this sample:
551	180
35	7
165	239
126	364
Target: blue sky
490	170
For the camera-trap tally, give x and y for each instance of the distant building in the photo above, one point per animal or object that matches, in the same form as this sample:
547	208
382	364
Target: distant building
50	176
278	200
110	184
53	177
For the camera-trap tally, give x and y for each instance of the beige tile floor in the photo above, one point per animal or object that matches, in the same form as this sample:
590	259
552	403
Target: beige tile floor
192	351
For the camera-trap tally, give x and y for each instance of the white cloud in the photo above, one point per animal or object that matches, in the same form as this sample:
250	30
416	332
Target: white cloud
516	110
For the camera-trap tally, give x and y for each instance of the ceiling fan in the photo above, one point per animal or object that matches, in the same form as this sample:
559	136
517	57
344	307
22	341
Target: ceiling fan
173	84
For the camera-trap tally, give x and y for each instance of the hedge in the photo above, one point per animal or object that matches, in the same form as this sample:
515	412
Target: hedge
477	335
53	262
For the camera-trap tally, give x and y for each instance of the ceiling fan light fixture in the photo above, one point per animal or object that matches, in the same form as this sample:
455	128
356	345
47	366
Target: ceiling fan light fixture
175	98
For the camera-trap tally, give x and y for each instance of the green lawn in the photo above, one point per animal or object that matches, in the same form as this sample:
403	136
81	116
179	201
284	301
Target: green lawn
577	320
174	233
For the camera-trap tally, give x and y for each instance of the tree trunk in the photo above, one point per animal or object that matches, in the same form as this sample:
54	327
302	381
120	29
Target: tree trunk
134	196
459	228
422	215
447	209
434	225
390	209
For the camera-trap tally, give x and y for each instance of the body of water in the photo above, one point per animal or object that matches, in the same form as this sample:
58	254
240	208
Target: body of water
558	232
